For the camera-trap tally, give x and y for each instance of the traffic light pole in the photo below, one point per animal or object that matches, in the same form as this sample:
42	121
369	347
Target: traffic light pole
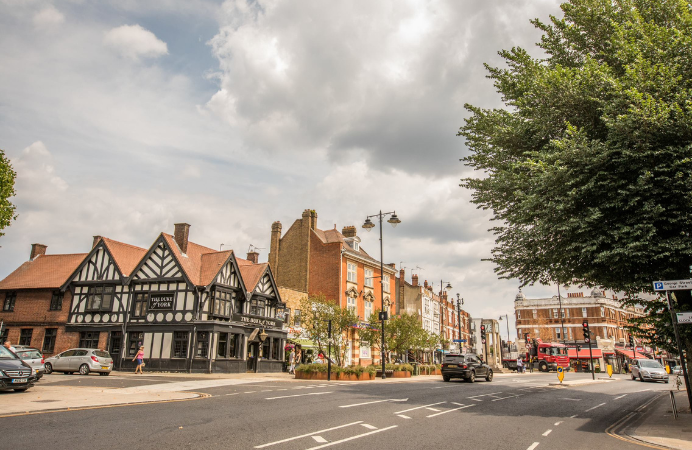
587	339
593	377
683	361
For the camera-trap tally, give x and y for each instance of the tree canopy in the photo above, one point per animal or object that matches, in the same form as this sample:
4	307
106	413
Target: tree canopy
588	166
7	177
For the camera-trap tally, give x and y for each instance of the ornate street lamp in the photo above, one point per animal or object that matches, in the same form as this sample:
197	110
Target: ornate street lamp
368	225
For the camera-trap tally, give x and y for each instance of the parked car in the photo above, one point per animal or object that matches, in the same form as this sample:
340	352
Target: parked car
34	358
648	369
82	360
468	367
14	373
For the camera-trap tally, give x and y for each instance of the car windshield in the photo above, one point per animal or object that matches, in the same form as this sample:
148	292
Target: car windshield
29	354
650	364
454	359
6	354
102	354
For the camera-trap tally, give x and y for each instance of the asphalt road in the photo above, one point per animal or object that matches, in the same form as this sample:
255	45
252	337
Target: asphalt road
511	412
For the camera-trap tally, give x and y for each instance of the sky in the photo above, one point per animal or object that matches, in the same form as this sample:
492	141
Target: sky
123	117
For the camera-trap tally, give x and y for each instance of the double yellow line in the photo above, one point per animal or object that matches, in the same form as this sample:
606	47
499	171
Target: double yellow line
613	430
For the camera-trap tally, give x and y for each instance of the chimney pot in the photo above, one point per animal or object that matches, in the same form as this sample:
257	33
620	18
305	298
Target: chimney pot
253	257
349	231
414	279
181	234
37	250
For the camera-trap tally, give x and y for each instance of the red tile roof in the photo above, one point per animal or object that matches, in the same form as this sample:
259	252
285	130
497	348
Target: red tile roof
126	256
252	274
44	272
211	264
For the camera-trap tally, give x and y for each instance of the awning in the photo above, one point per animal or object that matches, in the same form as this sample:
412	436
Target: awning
304	343
628	353
584	353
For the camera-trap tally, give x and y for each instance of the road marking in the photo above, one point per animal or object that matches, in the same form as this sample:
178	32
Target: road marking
476	400
616	398
368	426
571	399
572	417
403	416
308	434
484	395
249	392
643	390
353	437
534	445
504	398
298	395
419	407
558	423
267	390
449	410
458	404
235	393
376	401
597	406
319	439
282	389
547	432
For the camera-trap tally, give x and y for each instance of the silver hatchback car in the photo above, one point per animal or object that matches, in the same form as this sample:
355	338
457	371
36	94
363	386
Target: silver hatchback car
648	370
34	358
82	360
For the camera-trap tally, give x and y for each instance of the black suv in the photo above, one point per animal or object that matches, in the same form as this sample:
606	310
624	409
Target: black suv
468	367
14	373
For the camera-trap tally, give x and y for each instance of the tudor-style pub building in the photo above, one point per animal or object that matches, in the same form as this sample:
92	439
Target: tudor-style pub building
193	308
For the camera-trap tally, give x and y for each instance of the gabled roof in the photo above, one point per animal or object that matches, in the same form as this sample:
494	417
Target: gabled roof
191	263
44	272
252	273
212	263
125	256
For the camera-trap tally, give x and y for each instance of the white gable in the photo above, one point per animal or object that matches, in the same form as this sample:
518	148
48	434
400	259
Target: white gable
228	276
99	267
160	264
265	286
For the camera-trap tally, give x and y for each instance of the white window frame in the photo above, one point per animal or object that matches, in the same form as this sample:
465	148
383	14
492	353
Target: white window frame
602	311
351	272
367	310
385	283
369	275
351	304
535	313
584	312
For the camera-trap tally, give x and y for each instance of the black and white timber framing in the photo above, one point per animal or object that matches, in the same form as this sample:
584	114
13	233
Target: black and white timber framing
184	321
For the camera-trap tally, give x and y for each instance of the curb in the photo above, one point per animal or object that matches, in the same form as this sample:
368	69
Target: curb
615	429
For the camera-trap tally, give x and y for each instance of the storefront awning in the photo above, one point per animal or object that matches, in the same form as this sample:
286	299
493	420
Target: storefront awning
628	353
304	343
584	353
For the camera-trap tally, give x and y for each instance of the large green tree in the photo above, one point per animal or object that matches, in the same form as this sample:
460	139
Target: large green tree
7	177
588	166
317	312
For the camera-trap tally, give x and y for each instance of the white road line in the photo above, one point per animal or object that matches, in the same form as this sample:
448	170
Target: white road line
616	398
449	410
484	395
235	393
571	399
298	395
504	398
368	426
267	390
319	439
597	406
403	416
476	400
308	434
572	417
432	409
419	407
558	423
282	389
458	404
376	401
249	392
547	432
353	437
534	445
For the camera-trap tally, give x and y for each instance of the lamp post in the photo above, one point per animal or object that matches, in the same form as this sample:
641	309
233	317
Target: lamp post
460	301
368	225
508	349
262	337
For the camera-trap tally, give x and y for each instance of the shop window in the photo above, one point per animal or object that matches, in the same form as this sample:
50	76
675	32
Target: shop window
202	344
266	345
116	342
49	340
25	336
10	299
135	340
56	301
275	348
222	346
180	342
89	339
100	298
139	305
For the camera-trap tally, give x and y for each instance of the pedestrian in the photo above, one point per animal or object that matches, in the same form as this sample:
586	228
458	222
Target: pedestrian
8	346
520	366
292	360
140	360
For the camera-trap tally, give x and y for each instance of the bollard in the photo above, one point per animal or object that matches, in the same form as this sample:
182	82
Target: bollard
675	408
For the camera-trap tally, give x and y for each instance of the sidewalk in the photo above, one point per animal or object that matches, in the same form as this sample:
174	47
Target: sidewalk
658	427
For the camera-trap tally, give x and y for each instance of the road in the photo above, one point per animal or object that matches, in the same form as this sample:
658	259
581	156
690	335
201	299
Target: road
511	412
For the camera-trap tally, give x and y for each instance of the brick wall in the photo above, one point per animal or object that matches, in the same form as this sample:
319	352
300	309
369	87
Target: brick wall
293	260
325	260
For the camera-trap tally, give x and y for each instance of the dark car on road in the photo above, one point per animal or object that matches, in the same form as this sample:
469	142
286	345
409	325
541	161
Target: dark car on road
468	367
14	373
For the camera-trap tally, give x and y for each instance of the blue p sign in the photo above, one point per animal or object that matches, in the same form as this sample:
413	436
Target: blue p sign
658	286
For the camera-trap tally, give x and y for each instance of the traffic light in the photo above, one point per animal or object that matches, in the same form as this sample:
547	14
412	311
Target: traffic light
526	339
587	332
483	334
631	341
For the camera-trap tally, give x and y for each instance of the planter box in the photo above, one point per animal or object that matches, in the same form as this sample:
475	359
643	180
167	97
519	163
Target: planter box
401	374
311	375
335	376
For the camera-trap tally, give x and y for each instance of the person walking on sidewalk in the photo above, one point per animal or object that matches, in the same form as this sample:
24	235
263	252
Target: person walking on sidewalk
292	360
140	360
520	366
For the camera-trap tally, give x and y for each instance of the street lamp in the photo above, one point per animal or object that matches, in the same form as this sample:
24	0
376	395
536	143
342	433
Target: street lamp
508	336
460	302
262	337
368	225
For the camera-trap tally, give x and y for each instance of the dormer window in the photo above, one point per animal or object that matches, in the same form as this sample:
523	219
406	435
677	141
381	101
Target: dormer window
353	242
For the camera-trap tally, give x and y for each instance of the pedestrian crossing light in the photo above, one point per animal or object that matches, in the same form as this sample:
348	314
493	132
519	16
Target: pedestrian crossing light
587	332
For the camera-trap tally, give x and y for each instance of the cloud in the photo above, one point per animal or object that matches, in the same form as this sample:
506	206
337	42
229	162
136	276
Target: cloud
48	16
134	42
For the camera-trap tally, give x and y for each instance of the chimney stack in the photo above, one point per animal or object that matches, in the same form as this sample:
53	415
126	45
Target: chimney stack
96	241
349	231
253	257
181	233
311	216
414	280
37	250
425	284
274	247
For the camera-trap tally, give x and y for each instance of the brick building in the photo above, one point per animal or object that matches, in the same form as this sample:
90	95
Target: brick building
332	264
35	310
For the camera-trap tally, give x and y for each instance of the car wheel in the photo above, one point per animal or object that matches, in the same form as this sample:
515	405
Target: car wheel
633	377
20	389
49	368
543	367
84	369
489	377
471	377
104	374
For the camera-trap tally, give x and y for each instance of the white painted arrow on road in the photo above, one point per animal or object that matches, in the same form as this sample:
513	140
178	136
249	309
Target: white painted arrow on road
376	401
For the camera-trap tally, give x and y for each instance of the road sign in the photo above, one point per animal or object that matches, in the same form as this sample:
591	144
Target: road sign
458	340
609	370
560	374
673	285
684	317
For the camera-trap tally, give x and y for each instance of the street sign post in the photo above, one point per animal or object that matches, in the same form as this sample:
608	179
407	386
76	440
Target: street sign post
560	374
673	285
684	317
